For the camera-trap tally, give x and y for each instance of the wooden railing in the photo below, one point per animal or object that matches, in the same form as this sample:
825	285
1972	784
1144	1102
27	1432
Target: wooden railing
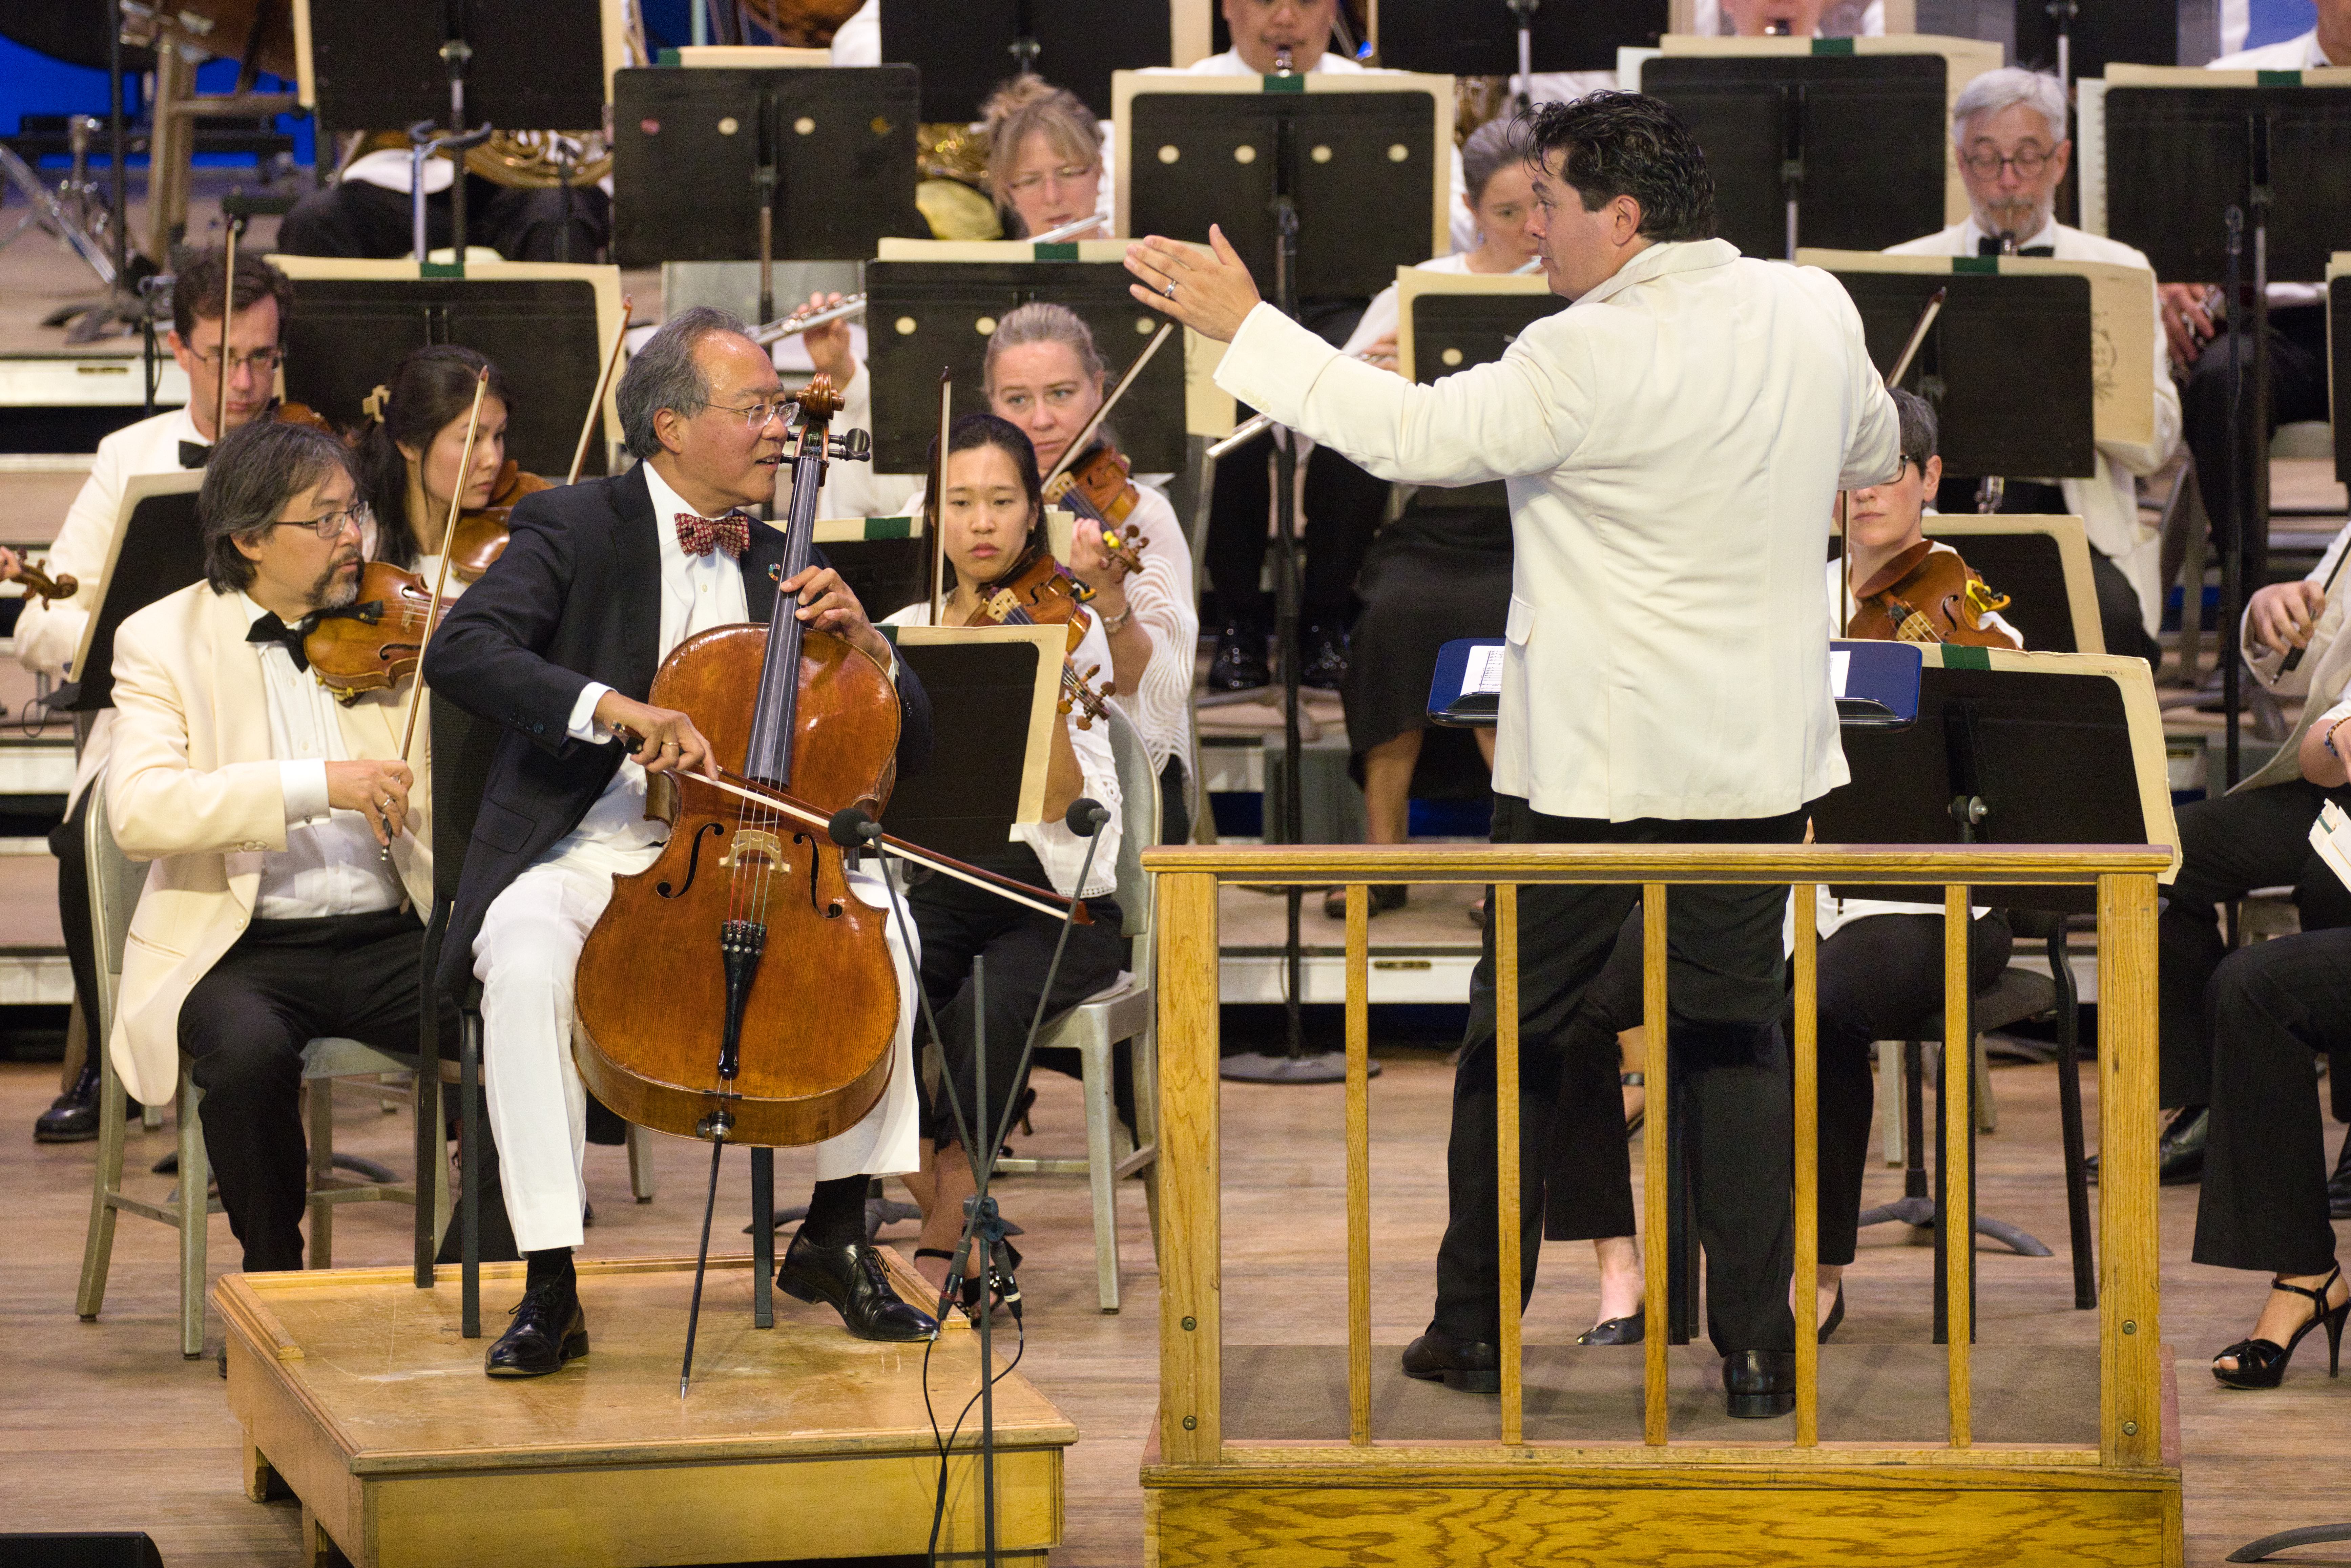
1191	1429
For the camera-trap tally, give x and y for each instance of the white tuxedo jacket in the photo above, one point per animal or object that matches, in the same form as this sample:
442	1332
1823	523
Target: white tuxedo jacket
193	787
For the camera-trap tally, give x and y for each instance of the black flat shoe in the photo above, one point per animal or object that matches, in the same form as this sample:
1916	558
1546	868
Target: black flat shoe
546	1332
72	1116
1239	664
1628	1330
1321	658
1759	1383
1836	1314
2339	1185
851	1281
2262	1363
1437	1357
1384	897
968	1292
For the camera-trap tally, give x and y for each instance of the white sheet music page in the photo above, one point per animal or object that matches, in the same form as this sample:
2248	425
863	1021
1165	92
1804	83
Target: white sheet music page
1482	676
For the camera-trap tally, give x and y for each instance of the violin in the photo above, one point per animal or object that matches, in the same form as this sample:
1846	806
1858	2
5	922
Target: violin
1098	485
480	537
1928	595
375	643
15	569
1040	591
280	412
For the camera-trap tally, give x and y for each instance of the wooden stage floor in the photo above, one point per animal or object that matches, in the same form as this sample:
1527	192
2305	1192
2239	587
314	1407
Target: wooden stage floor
106	1426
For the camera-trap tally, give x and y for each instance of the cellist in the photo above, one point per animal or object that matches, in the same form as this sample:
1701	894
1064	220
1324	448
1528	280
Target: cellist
559	645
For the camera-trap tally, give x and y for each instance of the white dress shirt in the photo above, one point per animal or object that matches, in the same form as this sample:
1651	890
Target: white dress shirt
698	592
2106	501
331	864
1672	443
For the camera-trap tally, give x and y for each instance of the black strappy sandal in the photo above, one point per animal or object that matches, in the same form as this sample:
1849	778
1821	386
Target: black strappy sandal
1635	1081
969	1298
2260	1363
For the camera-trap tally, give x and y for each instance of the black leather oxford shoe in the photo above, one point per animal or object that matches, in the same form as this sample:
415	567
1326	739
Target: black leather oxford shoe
546	1332
1759	1383
1438	1356
851	1281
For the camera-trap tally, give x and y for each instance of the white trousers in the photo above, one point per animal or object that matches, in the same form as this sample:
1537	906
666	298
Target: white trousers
527	958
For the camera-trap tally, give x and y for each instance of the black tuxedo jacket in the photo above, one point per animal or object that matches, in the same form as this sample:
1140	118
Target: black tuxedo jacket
576	598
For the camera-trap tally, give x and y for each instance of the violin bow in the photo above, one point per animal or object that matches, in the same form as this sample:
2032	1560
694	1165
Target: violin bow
228	310
935	505
440	577
1934	307
604	384
1078	443
1917	336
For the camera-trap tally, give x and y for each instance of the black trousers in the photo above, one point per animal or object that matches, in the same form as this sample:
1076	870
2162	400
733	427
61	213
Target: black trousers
1726	987
1879	977
73	910
286	983
2274	1004
356	219
957	922
1174	814
2297	392
2230	846
1342	504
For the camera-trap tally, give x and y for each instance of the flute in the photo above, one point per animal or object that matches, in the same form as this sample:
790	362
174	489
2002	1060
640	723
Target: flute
804	319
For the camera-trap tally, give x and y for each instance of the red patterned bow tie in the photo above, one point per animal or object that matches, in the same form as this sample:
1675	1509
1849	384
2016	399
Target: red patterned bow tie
731	533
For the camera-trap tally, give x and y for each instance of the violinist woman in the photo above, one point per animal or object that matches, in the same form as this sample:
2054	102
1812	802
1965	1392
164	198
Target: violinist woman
1881	972
1044	375
993	529
409	450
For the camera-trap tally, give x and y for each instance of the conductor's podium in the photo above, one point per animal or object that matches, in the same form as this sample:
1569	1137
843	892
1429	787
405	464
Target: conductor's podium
355	1390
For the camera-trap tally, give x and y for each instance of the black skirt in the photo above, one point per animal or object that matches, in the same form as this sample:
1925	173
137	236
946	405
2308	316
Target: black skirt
1440	571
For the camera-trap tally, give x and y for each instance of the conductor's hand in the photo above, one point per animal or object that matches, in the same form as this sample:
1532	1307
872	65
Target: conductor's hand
665	739
2283	615
1207	290
2187	322
826	604
376	790
828	345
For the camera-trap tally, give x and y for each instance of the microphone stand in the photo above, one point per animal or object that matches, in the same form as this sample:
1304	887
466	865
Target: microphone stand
982	1224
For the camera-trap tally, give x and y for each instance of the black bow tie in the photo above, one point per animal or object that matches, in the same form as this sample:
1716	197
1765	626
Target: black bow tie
1989	245
270	629
193	454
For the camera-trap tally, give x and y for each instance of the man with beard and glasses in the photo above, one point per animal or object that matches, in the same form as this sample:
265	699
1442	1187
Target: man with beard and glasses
273	914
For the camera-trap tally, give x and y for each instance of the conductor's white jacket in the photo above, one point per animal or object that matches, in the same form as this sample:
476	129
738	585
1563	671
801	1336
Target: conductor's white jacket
1673	443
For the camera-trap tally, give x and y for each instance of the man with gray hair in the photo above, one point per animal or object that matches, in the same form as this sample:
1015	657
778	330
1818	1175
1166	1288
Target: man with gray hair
2009	126
557	646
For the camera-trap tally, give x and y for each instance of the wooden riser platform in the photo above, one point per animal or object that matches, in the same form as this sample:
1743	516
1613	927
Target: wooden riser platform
356	1390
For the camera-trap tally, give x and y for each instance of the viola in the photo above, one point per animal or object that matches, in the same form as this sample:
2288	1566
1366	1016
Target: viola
480	537
375	644
1040	591
1927	595
1098	485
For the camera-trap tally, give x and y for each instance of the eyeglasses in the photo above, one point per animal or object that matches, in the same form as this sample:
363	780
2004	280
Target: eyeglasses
1986	164
1068	174
331	526
265	360
757	415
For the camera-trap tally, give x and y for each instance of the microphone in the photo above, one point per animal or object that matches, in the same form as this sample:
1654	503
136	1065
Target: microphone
852	828
1084	818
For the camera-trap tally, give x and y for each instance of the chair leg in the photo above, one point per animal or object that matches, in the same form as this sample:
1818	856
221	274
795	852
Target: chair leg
1889	1099
195	1216
97	1246
1145	1057
1987	1112
1102	1115
763	1231
320	1094
640	1161
2069	1120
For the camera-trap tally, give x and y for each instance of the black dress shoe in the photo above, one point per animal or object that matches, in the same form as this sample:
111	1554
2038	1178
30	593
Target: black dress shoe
2178	1153
72	1116
1759	1383
1438	1356
1239	664
2339	1185
1630	1330
1322	658
546	1332
851	1281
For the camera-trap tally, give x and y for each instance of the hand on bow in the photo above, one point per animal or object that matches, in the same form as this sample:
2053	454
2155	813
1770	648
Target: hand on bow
826	604
377	790
662	739
2283	614
1212	289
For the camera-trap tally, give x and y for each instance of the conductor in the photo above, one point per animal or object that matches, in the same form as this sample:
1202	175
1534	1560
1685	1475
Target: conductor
1672	444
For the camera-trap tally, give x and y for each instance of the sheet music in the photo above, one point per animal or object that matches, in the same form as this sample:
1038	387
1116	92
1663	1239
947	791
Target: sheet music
1840	667
1482	676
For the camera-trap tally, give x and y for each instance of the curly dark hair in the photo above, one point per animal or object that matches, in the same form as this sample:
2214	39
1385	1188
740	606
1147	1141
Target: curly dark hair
1616	144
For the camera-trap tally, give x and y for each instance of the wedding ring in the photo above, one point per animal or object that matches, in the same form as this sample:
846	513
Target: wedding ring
1170	289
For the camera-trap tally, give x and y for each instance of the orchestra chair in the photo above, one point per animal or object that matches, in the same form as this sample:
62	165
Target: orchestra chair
2186	547
1125	1012
115	881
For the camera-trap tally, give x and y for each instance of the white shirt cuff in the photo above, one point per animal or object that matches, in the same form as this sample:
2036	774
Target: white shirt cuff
2334	715
304	785
583	725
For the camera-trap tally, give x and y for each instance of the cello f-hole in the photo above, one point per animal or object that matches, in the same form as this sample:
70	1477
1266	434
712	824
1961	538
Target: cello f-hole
693	861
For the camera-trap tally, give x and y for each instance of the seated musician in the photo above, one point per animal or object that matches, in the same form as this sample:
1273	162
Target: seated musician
412	445
598	583
993	530
1441	571
1881	971
368	211
272	914
48	635
1788	18
1044	375
1048	160
2009	128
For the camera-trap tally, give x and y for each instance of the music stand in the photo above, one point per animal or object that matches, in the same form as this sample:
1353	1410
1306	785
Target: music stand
1448	322
1515	38
2042	563
2338	356
548	326
155	553
732	164
513	64
2240	176
2011	748
885	561
966	51
930	304
1349	161
988	686
2082	37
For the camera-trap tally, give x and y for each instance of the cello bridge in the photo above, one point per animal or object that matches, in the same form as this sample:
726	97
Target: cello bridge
750	841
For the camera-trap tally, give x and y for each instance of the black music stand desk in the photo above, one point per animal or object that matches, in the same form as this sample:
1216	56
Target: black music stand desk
966	51
156	552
